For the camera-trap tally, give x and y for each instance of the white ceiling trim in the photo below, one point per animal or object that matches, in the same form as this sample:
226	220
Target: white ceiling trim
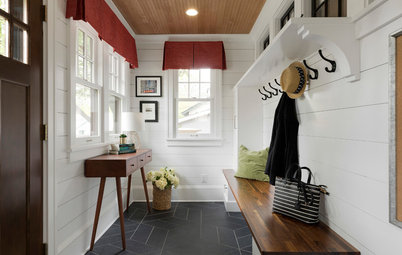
120	16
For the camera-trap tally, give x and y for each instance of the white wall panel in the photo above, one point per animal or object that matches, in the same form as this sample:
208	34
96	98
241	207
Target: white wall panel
191	162
343	138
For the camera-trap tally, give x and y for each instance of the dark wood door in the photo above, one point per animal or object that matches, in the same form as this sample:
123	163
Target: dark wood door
21	178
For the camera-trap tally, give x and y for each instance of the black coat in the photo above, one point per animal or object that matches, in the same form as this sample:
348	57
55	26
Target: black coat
283	150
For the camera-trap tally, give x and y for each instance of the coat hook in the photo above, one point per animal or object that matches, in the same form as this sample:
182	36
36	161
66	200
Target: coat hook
276	90
265	96
277	83
315	77
332	62
269	92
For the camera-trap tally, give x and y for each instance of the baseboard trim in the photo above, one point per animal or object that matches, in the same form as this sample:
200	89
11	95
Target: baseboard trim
196	193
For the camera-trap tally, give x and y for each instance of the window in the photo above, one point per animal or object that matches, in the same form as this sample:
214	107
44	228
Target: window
86	89
196	104
266	42
98	85
14	29
328	8
290	12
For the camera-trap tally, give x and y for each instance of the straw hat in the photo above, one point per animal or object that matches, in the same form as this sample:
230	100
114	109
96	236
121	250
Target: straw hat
294	79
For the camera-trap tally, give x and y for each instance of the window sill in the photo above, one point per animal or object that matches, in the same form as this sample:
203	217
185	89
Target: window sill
194	142
85	151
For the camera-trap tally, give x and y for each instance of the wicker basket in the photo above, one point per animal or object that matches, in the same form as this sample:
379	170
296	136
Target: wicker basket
161	198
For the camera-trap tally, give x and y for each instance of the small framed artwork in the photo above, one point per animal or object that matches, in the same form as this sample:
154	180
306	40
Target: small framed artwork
148	86
149	110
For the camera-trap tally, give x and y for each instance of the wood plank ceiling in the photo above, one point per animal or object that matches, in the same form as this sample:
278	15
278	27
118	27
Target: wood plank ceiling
169	17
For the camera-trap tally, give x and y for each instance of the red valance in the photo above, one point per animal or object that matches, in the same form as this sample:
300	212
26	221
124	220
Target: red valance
194	55
101	17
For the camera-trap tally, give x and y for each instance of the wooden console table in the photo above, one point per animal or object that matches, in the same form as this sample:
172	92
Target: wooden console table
117	166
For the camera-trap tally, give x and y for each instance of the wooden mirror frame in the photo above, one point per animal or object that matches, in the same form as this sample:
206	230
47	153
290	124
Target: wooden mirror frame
395	130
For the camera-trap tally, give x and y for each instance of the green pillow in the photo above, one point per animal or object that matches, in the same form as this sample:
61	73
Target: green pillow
252	164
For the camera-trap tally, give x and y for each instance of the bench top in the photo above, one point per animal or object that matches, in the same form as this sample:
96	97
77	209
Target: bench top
278	234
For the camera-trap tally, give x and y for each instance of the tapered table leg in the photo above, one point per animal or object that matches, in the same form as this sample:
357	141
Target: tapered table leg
98	209
120	202
128	191
144	182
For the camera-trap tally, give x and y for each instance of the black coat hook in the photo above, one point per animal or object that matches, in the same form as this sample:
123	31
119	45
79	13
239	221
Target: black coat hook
276	90
269	92
265	96
315	77
277	83
332	62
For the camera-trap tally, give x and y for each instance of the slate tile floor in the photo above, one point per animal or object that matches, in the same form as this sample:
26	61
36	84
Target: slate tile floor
187	228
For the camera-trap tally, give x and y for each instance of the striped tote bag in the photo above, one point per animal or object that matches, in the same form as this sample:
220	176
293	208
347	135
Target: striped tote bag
298	199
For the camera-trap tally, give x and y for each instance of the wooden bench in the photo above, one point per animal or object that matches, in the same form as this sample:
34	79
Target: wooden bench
277	234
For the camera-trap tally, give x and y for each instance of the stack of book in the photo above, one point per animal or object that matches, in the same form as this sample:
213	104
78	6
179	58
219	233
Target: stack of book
127	148
124	148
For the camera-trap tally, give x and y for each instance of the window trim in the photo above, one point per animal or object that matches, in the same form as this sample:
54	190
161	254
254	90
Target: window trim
324	4
266	42
215	139
286	15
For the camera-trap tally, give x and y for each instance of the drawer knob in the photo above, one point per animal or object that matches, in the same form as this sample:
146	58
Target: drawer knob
149	156
132	164
141	160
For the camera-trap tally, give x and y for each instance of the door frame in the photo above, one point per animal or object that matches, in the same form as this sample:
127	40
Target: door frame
393	203
49	181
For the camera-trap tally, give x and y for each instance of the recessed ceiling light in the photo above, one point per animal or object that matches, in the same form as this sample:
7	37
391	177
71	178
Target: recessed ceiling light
191	12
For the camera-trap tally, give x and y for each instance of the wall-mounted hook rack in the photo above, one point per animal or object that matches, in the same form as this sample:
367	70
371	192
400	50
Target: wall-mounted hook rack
315	71
270	93
332	62
276	90
265	96
277	83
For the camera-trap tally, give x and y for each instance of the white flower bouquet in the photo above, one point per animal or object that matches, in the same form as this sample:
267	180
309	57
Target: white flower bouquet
163	179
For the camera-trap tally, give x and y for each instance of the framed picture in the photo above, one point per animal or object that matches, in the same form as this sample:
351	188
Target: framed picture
149	110
148	86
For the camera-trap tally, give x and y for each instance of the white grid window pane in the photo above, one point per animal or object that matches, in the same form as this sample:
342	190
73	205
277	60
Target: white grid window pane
194	75
86	118
80	67
183	90
194	118
80	42
194	90
205	90
89	71
4	34
89	48
183	75
205	75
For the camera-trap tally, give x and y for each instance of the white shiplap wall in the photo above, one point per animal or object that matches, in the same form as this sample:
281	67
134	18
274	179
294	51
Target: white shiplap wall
343	138
71	198
74	199
190	162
